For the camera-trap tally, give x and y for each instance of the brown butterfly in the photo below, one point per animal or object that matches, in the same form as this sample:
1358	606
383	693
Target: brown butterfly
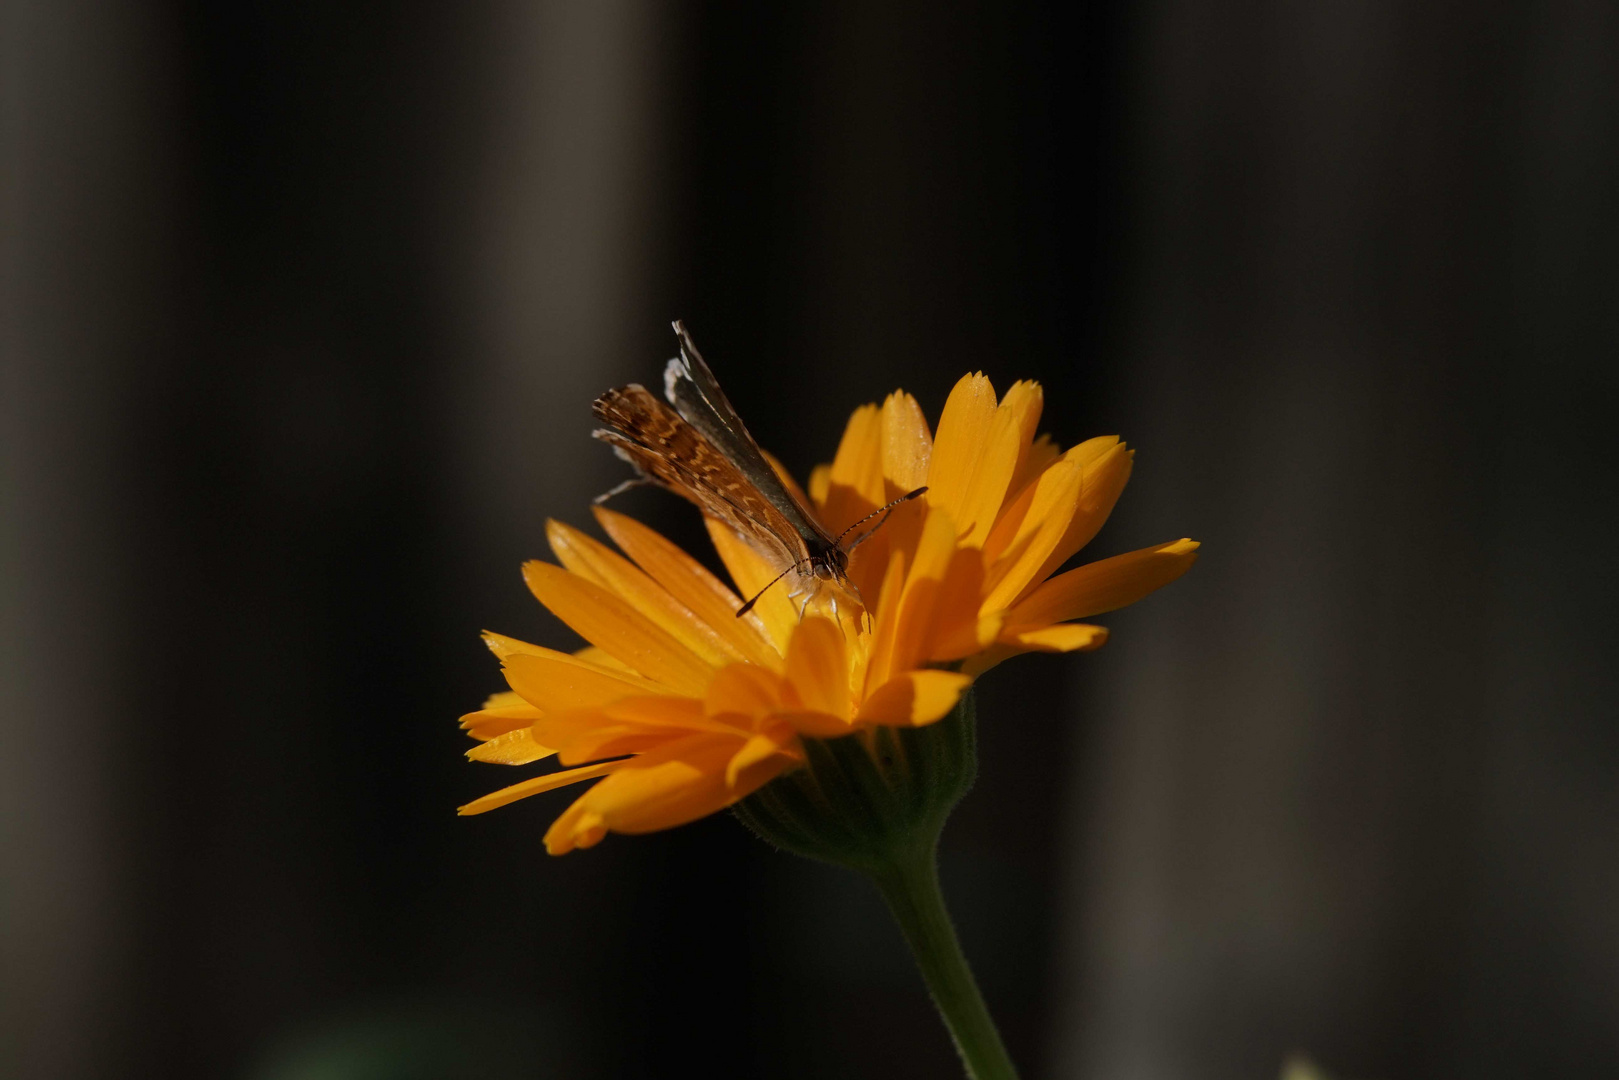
697	447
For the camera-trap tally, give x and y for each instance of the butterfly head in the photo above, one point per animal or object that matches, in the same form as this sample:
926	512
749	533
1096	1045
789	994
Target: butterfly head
830	565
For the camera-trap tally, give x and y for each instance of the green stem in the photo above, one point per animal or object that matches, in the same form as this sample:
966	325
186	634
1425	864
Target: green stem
910	884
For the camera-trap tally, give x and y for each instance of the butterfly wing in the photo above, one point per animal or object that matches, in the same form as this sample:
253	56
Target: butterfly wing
694	392
676	454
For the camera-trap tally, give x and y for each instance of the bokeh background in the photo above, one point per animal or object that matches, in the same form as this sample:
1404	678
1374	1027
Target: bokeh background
304	304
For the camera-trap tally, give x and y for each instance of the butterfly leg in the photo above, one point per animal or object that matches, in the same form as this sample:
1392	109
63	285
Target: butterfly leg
619	489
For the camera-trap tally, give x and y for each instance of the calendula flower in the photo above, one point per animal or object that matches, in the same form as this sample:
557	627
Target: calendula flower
815	707
681	705
682	708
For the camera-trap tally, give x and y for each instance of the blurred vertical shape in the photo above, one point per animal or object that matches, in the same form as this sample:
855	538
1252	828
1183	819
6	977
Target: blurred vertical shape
84	220
1347	781
566	238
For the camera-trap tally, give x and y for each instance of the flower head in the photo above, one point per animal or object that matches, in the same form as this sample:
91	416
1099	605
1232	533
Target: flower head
681	707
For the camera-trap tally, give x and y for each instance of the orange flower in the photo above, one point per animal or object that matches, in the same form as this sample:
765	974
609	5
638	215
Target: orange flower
685	708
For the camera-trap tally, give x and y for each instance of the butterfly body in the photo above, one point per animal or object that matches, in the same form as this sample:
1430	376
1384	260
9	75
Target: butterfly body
696	446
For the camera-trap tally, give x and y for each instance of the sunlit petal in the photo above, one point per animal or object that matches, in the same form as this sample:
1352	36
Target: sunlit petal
752	573
1104	586
605	620
553	681
689	582
817	667
915	698
594	561
513	748
536	785
907	444
963	432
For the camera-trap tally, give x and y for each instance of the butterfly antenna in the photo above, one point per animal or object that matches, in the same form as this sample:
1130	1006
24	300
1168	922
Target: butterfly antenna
884	511
745	608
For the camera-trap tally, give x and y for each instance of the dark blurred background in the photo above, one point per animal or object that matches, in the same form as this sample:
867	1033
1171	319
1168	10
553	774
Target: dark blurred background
304	304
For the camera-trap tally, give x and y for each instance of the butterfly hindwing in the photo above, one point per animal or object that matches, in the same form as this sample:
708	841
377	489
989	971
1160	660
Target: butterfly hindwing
674	453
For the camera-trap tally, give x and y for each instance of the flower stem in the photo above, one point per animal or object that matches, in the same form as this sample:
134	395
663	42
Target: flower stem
910	884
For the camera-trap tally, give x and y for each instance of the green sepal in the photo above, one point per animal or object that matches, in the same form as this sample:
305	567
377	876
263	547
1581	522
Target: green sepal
868	799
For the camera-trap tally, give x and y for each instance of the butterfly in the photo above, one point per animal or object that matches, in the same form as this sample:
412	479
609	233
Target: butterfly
697	447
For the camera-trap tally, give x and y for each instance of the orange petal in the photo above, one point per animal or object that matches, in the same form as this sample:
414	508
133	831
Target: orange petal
820	482
905	645
752	572
1105	476
1041	456
1092	450
907	444
536	785
604	619
504	699
689	582
817	667
555	682
743	690
964	429
885	627
595	562
503	646
915	698
967	638
602	658
665	711
817	725
856	484
758	748
953	631
490	723
674	785
1004	446
1064	637
1104	586
613	742
513	748
1043	515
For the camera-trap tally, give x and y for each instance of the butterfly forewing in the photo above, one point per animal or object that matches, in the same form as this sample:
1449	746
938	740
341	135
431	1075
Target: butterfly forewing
694	392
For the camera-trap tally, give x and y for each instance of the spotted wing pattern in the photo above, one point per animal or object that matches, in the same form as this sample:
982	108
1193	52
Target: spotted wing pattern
673	453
